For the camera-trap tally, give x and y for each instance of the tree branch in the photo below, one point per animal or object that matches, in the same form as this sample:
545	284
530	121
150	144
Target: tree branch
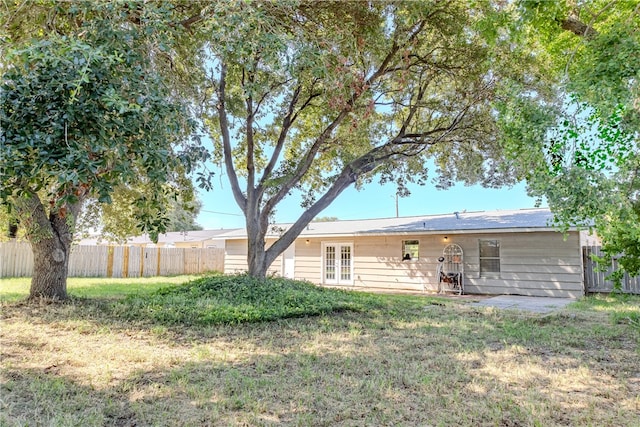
348	176
307	161
226	140
578	27
287	121
187	23
251	169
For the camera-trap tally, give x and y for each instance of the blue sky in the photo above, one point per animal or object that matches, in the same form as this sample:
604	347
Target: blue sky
219	209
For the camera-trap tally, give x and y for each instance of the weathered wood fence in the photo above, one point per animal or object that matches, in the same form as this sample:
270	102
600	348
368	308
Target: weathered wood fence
16	260
595	281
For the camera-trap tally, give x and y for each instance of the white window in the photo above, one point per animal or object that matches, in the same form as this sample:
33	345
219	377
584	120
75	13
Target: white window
410	250
337	263
489	258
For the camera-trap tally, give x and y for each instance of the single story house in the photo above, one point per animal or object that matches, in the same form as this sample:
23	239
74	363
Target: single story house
500	252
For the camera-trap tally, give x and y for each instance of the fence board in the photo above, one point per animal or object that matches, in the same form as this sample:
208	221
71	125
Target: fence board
191	260
88	261
596	281
16	260
119	261
212	259
172	262
150	262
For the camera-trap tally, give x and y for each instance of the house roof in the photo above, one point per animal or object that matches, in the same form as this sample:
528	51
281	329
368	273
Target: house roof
460	222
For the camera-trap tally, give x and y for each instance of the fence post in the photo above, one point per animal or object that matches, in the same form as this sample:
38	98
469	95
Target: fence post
125	262
158	263
110	262
142	254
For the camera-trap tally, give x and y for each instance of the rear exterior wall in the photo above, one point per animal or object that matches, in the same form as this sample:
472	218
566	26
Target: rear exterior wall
543	263
235	258
531	263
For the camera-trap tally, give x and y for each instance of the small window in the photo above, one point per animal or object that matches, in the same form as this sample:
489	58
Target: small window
489	257
410	249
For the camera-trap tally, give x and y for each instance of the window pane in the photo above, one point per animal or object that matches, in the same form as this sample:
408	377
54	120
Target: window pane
330	263
411	247
489	248
489	265
489	256
345	263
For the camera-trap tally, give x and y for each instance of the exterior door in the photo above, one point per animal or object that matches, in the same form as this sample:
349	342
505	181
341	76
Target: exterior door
288	261
337	263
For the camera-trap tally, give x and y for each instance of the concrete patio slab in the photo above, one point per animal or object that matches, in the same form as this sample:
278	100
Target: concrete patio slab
516	302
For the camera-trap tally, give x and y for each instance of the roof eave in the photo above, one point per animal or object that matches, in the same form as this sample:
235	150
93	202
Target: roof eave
418	232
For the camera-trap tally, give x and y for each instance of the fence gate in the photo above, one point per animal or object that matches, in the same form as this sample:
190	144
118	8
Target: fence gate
595	281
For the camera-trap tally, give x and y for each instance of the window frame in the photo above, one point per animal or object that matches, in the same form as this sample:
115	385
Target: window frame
405	251
490	274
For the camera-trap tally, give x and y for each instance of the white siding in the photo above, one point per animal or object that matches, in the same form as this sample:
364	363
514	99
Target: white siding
534	263
377	263
235	258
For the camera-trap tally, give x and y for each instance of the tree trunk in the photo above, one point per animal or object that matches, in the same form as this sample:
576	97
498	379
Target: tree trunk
256	254
256	258
259	258
50	268
50	235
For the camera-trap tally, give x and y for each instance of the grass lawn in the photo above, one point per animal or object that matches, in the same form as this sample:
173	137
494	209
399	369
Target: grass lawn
225	351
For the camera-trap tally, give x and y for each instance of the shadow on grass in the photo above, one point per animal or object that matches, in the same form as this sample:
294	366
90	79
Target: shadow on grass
383	360
42	397
437	366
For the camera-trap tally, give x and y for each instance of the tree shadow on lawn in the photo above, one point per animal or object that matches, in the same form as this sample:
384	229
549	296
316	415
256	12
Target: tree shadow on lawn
439	366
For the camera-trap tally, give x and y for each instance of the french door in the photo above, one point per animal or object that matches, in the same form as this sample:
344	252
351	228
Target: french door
337	263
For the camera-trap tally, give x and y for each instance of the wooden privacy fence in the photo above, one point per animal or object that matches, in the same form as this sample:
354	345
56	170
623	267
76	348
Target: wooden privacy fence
16	260
595	281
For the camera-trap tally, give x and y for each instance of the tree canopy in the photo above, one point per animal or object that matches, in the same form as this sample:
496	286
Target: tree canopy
590	153
308	98
84	113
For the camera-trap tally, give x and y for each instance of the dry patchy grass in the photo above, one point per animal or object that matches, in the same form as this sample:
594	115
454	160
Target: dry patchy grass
425	364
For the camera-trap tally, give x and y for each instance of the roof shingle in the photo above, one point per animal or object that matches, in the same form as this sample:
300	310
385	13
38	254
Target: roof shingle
506	220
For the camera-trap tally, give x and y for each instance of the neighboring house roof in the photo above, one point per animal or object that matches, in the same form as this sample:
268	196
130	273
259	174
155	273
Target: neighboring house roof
181	236
457	222
167	238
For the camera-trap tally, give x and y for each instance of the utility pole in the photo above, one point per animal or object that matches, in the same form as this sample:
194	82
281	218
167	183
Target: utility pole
397	212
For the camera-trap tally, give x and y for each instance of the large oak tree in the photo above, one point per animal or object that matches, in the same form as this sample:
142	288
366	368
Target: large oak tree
305	99
84	110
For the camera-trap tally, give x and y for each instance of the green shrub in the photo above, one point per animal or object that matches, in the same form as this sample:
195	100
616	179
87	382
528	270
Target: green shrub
220	299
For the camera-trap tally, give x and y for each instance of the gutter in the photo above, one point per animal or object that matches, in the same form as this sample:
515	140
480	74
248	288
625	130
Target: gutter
416	232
